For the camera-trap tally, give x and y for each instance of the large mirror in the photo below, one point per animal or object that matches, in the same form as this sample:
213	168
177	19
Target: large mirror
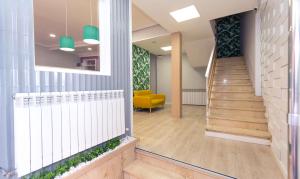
67	35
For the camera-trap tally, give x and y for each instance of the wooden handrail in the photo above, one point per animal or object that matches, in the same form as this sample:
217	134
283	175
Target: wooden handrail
210	72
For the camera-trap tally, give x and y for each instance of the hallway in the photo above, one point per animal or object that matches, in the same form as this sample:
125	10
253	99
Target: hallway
184	140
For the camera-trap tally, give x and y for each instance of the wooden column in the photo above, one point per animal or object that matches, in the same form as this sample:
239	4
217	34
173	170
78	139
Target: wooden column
176	58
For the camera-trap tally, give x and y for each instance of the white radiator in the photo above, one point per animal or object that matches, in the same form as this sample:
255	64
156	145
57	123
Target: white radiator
49	127
194	96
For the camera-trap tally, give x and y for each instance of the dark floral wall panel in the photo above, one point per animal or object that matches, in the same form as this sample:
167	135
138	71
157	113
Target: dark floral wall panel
228	35
141	68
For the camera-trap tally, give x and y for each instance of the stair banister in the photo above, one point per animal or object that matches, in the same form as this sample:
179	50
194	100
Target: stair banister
209	75
211	59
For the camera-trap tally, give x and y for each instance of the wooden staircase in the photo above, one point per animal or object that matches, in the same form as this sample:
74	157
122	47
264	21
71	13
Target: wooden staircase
234	112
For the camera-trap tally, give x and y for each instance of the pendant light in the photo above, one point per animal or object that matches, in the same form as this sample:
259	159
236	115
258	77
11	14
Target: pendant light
66	43
90	32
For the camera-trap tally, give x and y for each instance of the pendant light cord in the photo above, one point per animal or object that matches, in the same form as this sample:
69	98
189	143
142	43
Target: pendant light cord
91	12
66	17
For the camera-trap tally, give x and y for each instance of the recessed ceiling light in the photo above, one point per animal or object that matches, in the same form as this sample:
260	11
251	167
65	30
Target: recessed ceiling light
185	14
89	49
52	35
167	48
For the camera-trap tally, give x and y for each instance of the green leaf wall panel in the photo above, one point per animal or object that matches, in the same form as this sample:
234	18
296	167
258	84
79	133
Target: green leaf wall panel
141	68
228	35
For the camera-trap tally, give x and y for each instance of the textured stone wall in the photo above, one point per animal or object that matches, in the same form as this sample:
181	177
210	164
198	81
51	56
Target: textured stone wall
274	64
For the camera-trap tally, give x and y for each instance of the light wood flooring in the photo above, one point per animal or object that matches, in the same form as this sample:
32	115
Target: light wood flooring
184	140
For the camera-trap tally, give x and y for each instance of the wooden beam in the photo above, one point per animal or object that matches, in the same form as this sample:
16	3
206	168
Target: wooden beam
176	57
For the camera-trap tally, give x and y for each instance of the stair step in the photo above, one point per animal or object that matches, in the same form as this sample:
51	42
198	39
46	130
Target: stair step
235	96
238	118
234	76
232	91
226	84
141	170
240	131
229	113
243	88
240	72
228	78
238	124
226	98
232	82
231	68
231	58
230	62
239	64
238	104
239	108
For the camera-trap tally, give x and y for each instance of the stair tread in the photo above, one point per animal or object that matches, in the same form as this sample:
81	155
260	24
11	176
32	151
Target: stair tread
237	99
143	170
229	90
240	131
231	73
230	65
233	67
239	118
226	84
218	73
232	91
230	80
239	108
232	77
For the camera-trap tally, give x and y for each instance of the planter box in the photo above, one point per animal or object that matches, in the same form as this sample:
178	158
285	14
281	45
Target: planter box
108	165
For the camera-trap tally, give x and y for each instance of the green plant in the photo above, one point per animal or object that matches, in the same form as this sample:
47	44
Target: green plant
76	160
47	175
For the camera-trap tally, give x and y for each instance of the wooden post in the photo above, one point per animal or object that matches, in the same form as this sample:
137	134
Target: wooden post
176	58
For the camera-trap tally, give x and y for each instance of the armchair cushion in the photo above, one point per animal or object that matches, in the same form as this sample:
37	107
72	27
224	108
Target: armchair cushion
145	99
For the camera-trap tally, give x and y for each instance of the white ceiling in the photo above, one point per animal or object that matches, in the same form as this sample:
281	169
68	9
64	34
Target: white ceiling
197	28
146	14
140	20
197	33
153	45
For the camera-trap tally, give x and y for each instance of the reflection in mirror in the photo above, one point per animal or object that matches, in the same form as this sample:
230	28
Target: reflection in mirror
67	34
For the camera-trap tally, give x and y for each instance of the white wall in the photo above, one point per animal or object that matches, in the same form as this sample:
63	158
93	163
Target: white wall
198	51
191	78
251	47
46	57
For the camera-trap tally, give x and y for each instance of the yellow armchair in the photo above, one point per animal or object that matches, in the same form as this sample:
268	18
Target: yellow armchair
146	100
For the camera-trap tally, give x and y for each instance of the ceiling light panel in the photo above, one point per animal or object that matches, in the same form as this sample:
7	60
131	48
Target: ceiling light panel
52	35
185	14
167	48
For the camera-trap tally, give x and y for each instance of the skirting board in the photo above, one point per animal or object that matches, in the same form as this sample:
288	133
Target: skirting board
238	138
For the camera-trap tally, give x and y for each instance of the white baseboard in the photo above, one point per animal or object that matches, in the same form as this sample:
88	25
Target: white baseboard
238	138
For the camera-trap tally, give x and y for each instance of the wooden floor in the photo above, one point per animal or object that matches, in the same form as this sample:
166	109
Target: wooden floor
184	140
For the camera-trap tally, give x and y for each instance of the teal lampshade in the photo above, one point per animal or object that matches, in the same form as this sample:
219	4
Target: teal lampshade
91	34
66	43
